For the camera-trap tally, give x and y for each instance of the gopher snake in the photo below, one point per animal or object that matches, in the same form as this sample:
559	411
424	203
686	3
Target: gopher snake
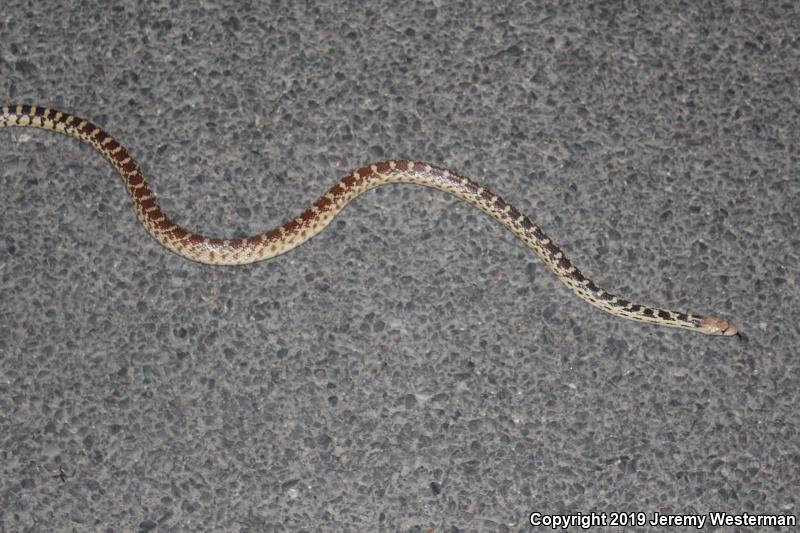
301	228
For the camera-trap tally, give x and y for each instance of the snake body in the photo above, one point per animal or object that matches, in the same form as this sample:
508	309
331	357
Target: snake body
220	251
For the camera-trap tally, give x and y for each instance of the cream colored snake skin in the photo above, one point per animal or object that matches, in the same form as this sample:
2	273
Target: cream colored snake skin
298	230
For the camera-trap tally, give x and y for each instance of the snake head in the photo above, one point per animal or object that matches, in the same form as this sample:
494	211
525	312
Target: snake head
717	326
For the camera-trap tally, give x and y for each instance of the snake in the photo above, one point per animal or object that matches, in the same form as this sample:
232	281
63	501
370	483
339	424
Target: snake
279	240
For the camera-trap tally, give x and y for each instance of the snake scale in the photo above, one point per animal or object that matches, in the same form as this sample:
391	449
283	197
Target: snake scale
299	229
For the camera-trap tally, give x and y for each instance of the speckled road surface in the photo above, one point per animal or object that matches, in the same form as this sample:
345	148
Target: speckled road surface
414	367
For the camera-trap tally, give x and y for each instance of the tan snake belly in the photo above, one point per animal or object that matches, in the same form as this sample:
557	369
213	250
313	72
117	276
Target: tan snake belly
298	230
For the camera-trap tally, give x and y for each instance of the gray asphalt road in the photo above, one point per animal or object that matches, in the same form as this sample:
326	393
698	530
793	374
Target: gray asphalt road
414	367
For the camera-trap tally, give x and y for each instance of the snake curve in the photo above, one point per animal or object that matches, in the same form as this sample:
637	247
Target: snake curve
217	251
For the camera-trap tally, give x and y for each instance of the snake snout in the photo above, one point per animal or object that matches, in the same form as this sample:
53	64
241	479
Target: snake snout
729	329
